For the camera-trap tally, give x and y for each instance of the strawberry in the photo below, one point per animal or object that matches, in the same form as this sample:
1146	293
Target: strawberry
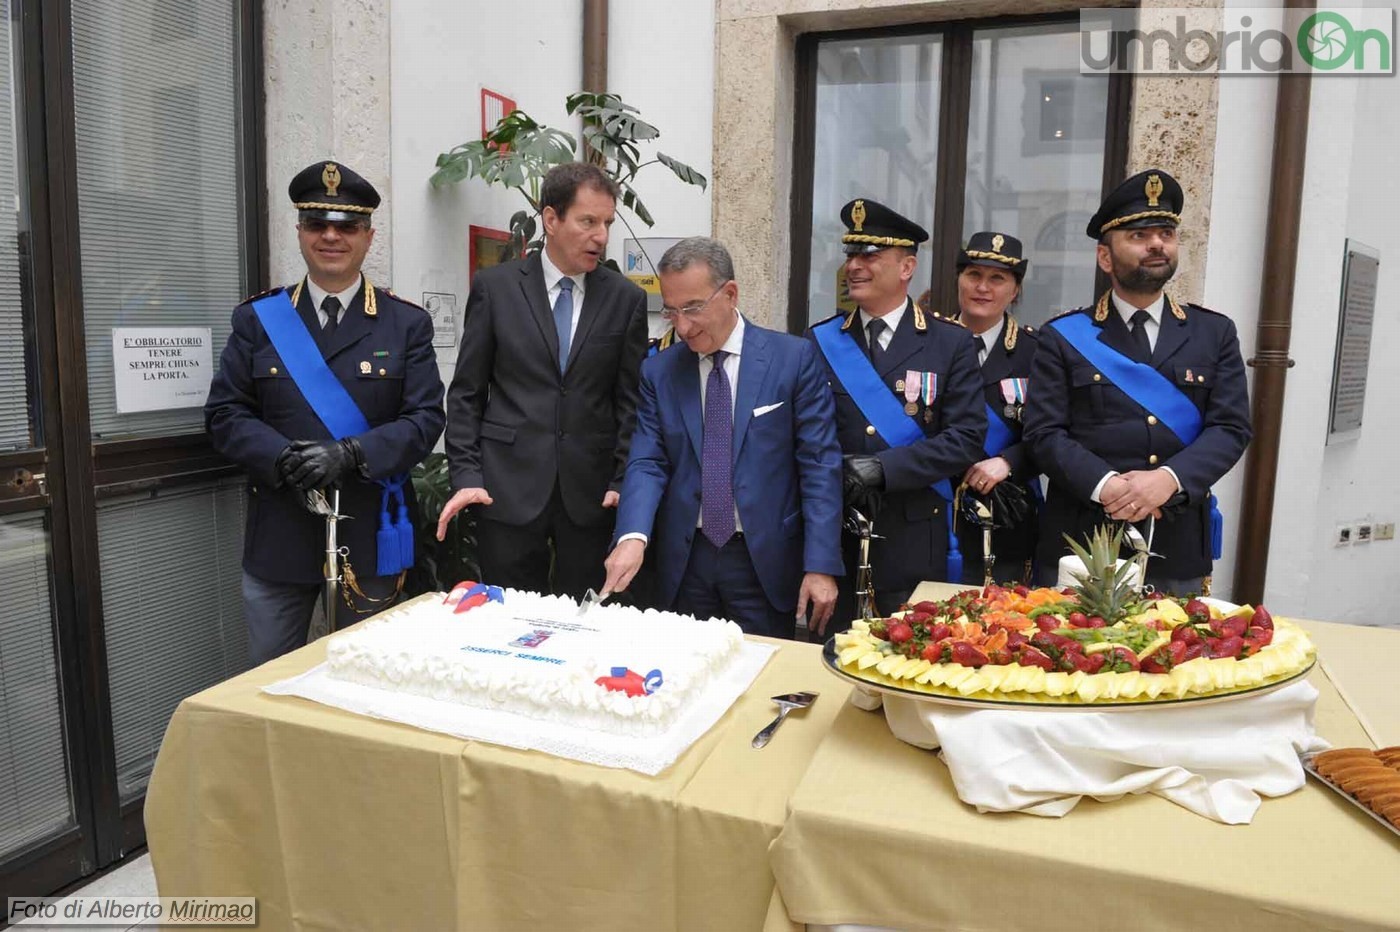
1261	635
931	653
1262	619
1186	634
1022	591
1121	660
1001	657
1197	609
967	655
928	608
1095	622
1194	649
1047	622
1227	646
917	617
1032	657
1095	663
1164	658
1091	664
1015	639
1078	620
939	631
899	632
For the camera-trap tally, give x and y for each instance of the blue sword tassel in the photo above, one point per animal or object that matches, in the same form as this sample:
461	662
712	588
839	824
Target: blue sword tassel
386	541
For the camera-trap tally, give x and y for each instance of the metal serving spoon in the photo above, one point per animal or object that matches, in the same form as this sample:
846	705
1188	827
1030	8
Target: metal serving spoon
785	705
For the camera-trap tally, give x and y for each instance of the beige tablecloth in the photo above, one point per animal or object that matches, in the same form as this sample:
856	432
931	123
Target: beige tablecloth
338	822
877	835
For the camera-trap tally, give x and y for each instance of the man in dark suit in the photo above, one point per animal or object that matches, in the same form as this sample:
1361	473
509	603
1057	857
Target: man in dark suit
1139	403
1005	477
733	486
909	412
544	398
380	349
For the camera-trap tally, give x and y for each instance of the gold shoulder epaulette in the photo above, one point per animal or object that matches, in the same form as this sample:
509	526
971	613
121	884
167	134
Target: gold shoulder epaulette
263	294
1177	312
920	321
1012	329
952	321
850	317
1073	310
402	300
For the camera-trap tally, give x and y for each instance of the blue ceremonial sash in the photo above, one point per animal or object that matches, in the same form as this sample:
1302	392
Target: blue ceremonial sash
334	407
1138	381
1149	388
883	411
999	436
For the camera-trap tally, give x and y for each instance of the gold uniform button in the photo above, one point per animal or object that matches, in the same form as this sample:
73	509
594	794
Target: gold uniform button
383	371
272	371
1097	377
870	430
1152	460
1201	379
1152	419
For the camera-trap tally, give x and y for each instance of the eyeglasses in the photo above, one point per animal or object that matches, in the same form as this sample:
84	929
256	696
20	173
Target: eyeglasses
343	227
691	310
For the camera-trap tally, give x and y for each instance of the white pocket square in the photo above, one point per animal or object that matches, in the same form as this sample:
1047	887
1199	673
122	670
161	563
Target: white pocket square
759	412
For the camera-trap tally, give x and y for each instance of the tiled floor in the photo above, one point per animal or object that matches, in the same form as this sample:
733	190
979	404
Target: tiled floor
134	878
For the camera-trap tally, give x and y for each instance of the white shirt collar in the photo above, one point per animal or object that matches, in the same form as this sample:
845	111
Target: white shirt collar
892	318
552	275
319	294
735	344
992	334
1126	310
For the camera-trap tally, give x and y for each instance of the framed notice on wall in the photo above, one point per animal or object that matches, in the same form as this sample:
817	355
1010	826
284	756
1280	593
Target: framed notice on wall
487	248
1360	270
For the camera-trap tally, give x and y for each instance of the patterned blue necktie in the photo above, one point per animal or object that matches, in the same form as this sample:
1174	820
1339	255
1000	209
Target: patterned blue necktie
564	318
716	483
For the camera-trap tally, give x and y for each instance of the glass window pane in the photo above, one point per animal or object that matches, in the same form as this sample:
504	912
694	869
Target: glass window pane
155	98
172	608
1035	153
35	801
876	137
19	412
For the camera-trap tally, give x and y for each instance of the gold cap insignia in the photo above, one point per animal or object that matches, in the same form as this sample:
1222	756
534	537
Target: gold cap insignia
1153	189
365	367
330	177
858	216
997	242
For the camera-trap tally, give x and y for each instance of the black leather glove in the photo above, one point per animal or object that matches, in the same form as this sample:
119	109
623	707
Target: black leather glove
289	459
862	483
323	464
1008	500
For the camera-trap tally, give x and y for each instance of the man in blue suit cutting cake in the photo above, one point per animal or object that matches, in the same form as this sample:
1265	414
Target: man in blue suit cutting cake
733	485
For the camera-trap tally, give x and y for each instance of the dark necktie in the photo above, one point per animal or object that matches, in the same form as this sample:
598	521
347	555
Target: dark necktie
877	352
1142	347
985	350
564	318
716	476
331	307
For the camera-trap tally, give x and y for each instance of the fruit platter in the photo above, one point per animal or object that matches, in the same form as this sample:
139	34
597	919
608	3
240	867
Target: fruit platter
1102	644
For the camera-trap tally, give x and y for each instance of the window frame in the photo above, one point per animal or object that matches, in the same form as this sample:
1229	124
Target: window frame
950	177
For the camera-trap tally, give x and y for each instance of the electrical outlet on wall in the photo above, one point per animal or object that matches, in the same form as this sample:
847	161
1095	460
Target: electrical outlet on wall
1385	531
1363	532
1342	536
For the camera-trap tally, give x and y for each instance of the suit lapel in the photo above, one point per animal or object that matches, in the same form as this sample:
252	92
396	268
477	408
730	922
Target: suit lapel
903	345
998	364
593	299
687	377
1171	336
532	286
1114	333
753	372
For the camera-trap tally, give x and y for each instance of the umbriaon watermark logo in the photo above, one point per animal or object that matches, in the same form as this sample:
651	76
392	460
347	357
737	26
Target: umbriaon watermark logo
1240	40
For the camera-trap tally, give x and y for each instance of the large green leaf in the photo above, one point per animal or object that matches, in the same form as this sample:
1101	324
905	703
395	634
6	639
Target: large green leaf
634	204
683	171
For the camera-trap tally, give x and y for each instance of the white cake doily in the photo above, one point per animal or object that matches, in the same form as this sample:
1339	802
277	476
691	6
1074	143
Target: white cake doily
647	754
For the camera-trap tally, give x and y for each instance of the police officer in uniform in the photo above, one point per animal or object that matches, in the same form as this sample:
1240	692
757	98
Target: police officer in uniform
1139	403
1004	477
917	376
379	348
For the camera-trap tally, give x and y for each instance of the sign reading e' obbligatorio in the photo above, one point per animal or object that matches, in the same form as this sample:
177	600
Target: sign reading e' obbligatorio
158	368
